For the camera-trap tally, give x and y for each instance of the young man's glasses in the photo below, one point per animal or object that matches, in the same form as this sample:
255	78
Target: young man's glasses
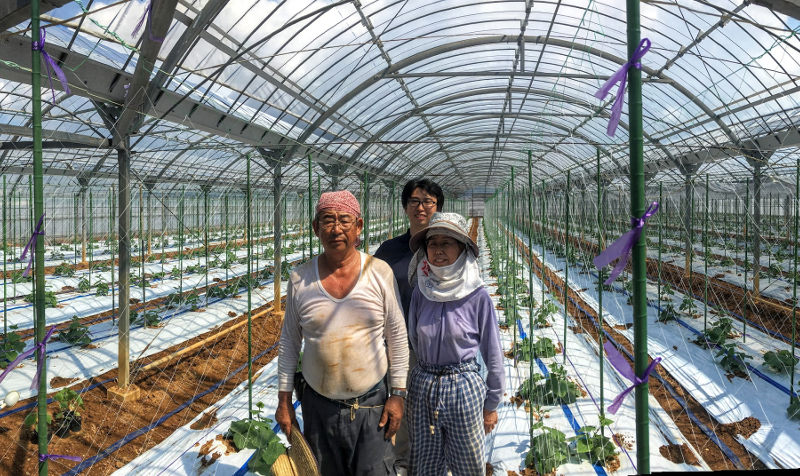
427	203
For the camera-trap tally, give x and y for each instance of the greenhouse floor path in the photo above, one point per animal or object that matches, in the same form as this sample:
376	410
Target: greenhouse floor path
164	389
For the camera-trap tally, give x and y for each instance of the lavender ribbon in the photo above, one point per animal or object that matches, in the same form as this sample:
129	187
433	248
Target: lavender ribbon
41	345
622	247
621	76
50	64
148	14
31	246
619	363
46	456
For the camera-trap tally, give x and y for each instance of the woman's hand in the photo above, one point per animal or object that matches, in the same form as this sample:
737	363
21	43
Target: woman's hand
489	420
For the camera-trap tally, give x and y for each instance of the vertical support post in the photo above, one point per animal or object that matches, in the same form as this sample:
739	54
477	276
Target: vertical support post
530	273
113	237
277	223
792	397
38	205
566	265
756	230
83	224
392	208
205	234
543	227
746	230
124	161
149	221
705	262
249	292
600	279
638	253
687	220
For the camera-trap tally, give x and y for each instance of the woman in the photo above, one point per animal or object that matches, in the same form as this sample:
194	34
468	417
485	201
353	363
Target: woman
451	318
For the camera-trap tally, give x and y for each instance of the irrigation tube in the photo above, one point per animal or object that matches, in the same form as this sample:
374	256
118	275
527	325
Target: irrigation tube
86	464
706	430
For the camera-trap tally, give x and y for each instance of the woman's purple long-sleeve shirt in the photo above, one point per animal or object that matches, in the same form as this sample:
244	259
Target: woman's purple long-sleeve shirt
447	333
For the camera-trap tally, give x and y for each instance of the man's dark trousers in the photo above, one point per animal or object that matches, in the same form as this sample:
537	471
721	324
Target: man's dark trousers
343	446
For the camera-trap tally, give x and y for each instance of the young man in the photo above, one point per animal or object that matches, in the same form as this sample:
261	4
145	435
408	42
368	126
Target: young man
421	199
344	305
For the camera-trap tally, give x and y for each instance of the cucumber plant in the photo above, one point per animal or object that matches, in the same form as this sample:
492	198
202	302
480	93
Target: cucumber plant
76	334
781	361
550	450
256	433
10	347
592	445
731	359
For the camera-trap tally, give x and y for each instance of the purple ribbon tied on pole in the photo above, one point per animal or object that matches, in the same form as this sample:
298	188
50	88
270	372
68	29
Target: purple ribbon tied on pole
31	246
50	64
623	246
621	76
148	15
40	363
619	363
45	456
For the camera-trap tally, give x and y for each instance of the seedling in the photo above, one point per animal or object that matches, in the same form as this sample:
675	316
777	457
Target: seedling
550	450
101	289
11	347
794	408
550	390
687	305
547	309
76	334
68	403
257	434
668	314
64	270
718	334
83	285
54	255
50	299
733	360
781	361
192	299
148	318
592	445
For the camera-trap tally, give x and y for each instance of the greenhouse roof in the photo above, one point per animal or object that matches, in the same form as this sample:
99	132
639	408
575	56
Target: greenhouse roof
457	90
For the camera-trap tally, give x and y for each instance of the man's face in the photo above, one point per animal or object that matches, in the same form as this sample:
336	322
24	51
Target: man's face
337	230
421	206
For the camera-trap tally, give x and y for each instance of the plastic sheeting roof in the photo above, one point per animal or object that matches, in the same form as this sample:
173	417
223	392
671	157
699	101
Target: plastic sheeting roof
457	90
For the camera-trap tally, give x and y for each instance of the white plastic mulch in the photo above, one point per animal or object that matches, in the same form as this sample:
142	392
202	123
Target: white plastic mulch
506	447
180	325
726	398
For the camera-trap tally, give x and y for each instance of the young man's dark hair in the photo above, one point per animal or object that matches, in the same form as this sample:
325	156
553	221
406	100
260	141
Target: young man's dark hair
428	186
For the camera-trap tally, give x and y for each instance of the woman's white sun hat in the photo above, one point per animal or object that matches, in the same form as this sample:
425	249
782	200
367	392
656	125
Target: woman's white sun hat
449	224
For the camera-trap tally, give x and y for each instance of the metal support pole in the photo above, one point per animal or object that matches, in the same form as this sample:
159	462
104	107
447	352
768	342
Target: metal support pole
705	262
38	205
746	231
756	230
249	293
600	279
639	263
277	224
83	224
566	265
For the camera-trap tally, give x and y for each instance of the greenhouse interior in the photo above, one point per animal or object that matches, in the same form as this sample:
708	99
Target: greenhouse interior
628	170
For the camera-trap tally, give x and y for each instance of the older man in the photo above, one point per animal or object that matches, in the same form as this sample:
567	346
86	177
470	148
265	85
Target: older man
345	305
